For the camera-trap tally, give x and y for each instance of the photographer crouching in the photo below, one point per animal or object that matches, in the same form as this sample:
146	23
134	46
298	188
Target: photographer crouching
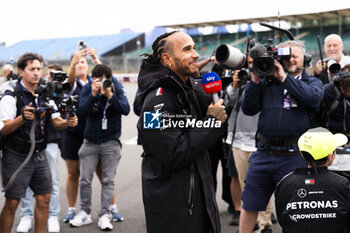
284	99
20	109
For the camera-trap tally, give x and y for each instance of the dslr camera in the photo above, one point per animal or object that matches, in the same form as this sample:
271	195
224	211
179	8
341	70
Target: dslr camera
332	65
106	82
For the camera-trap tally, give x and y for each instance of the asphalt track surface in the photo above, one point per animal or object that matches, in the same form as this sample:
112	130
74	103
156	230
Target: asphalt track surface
128	187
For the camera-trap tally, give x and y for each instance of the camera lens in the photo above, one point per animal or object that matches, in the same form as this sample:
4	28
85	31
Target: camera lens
106	83
263	66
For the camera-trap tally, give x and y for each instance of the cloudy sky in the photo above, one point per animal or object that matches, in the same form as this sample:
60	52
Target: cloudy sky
42	19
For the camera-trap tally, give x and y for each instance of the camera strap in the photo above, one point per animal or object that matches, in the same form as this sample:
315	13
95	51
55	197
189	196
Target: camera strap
29	156
104	119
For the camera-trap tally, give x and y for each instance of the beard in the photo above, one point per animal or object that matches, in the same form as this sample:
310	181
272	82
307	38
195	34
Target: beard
186	70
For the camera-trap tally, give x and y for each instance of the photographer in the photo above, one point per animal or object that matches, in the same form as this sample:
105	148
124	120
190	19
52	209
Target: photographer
241	137
52	153
102	103
333	45
18	109
284	101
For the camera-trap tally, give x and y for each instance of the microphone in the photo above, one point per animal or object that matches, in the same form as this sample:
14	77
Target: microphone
211	84
257	51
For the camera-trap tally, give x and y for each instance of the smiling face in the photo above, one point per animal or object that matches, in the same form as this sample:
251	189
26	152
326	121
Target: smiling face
295	64
181	56
334	47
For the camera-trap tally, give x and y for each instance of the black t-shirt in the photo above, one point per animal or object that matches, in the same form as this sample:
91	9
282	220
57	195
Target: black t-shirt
309	202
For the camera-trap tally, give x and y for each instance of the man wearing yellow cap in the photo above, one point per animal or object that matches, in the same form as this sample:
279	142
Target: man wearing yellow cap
313	199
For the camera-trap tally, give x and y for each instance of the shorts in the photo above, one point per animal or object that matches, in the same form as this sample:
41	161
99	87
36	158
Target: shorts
71	143
264	172
36	174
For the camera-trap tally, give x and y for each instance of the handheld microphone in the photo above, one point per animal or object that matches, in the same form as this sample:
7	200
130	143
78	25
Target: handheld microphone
211	84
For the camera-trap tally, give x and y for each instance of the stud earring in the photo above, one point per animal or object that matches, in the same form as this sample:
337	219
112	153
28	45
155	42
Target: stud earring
169	65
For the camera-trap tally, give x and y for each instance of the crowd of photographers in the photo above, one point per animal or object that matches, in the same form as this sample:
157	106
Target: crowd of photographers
59	114
270	100
273	101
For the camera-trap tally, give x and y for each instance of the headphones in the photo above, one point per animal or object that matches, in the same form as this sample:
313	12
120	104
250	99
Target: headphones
307	60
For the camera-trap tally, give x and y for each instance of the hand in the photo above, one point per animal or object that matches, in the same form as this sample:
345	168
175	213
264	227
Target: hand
217	110
76	57
72	121
28	112
93	55
95	87
279	72
318	67
107	92
235	79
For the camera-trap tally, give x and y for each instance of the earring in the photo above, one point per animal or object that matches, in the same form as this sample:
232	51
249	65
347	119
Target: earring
169	65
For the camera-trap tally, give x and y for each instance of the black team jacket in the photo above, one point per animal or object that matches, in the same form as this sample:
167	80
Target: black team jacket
177	185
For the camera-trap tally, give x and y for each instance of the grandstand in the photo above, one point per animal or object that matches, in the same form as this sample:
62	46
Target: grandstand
122	51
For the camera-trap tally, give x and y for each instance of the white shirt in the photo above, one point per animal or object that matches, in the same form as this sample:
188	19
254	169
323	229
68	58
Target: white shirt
8	108
345	60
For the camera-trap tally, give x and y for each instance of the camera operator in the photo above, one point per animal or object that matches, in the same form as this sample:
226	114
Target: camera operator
241	136
313	199
72	139
333	45
18	109
102	103
284	102
52	153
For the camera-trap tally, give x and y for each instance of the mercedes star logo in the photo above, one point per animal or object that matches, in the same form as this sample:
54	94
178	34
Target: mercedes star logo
302	193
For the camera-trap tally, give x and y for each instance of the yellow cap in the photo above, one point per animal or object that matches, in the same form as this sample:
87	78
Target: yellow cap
319	142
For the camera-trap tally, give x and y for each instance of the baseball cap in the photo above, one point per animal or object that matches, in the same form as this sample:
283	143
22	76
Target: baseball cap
320	142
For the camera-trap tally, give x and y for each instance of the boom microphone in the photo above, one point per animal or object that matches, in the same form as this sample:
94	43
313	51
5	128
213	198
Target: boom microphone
211	84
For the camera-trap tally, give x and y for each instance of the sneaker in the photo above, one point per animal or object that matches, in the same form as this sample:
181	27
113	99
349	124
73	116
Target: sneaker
25	224
235	218
69	216
81	219
53	224
104	222
116	216
267	229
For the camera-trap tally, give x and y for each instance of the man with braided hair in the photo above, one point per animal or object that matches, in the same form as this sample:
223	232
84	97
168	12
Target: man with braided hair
178	192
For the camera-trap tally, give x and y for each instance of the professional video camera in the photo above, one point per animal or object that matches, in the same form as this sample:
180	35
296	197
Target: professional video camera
264	57
53	90
69	105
